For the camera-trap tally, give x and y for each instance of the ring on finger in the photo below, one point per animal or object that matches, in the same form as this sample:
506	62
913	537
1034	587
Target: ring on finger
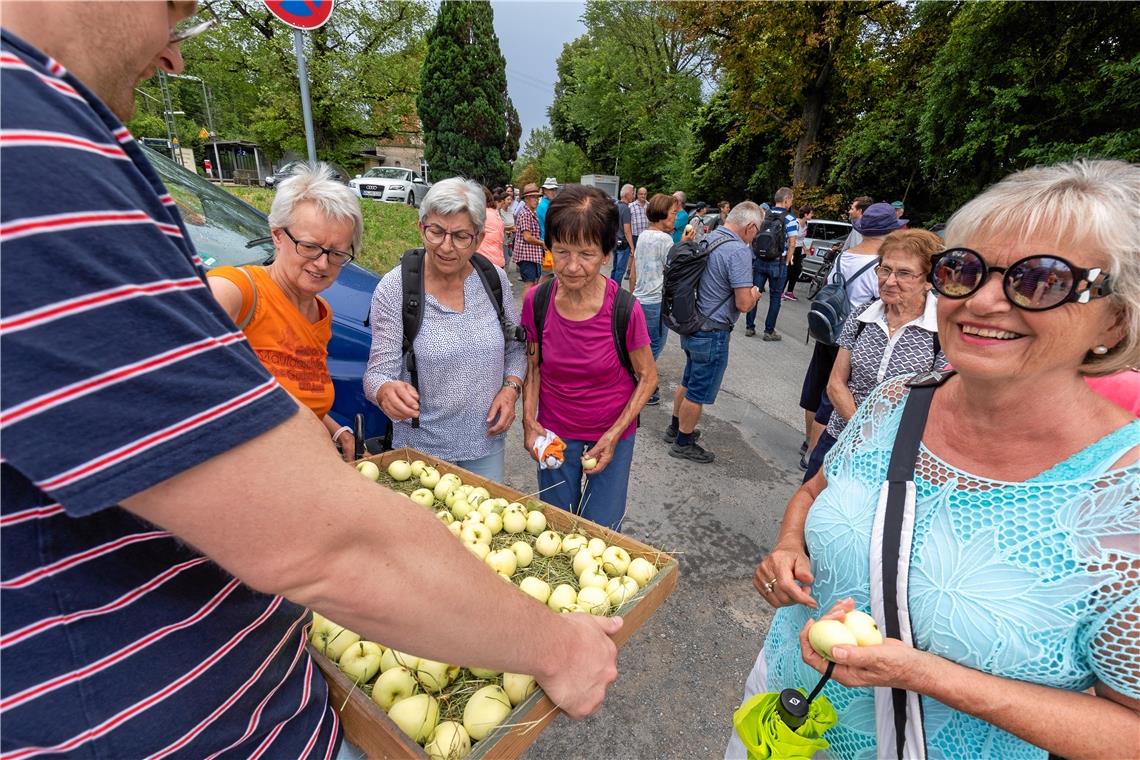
770	586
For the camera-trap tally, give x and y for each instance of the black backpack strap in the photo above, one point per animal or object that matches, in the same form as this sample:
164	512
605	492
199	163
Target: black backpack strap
860	273
937	346
541	304
412	311
619	325
892	537
492	284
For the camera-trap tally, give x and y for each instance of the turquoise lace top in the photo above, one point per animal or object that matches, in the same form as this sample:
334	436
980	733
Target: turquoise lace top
1037	581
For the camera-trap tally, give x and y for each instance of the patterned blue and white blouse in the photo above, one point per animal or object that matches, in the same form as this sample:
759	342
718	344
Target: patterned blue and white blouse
877	355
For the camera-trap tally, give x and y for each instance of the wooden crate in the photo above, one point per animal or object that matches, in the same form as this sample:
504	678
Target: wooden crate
368	727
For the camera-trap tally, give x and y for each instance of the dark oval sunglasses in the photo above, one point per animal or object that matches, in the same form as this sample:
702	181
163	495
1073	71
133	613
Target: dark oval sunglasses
1035	283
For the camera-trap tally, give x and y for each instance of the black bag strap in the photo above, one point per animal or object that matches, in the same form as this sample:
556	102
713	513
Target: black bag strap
619	325
861	271
412	311
900	472
936	345
489	276
541	304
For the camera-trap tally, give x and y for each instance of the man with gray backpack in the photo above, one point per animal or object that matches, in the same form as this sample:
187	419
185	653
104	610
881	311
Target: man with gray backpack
706	287
851	284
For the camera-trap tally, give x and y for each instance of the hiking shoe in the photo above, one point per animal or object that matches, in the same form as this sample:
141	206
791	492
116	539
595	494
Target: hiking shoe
654	400
692	452
748	333
772	336
671	435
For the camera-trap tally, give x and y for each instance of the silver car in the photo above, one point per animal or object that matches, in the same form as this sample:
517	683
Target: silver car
390	183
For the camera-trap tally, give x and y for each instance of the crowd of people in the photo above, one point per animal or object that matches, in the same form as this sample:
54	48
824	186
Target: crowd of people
202	499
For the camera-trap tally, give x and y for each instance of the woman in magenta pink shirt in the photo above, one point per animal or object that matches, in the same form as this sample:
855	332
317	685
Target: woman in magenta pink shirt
577	387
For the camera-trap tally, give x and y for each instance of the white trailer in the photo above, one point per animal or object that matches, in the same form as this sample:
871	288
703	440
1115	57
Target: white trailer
606	182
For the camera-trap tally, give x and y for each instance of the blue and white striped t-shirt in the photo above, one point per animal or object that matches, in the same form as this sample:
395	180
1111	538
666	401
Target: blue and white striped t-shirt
120	371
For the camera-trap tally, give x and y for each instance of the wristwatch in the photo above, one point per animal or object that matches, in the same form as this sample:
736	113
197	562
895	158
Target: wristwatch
512	384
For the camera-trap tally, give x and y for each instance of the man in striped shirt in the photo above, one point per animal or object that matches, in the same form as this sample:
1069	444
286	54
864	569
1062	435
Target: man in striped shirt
168	512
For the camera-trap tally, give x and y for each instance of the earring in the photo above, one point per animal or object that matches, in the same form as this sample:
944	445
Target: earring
1100	350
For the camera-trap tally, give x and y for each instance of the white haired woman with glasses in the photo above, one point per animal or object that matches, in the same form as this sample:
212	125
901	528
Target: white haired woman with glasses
316	226
469	376
999	552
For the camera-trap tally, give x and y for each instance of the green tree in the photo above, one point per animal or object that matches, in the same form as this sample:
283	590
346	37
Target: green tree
363	77
545	156
800	67
628	89
1019	83
463	102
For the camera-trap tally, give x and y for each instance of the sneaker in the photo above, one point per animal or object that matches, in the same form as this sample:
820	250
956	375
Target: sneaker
787	297
692	452
803	462
654	400
750	332
803	447
671	435
772	336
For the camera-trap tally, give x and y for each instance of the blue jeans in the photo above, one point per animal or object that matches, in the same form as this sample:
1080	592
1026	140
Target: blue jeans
489	467
621	261
706	356
658	333
528	270
774	274
815	462
603	498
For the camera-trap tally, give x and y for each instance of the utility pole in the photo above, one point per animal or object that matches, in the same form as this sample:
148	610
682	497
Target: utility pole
209	117
168	118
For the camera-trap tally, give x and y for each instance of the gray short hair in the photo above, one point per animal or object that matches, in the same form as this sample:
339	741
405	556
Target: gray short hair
456	195
680	195
1092	203
782	195
745	213
314	183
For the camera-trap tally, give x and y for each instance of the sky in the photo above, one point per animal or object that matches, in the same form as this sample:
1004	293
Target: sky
531	34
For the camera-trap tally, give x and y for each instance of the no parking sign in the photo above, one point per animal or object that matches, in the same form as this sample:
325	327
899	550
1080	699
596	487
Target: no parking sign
301	14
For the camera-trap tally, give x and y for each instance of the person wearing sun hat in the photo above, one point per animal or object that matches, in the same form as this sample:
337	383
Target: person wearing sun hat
549	190
529	247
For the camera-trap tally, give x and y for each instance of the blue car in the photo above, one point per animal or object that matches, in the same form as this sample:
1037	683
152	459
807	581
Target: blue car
227	231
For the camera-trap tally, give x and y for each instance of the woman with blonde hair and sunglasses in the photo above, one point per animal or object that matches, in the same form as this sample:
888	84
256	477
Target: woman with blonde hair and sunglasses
469	376
986	517
316	226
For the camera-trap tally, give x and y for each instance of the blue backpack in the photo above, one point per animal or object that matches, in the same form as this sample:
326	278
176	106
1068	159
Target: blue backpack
830	307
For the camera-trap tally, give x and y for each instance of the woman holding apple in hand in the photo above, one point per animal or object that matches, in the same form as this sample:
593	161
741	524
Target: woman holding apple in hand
469	377
576	384
1014	597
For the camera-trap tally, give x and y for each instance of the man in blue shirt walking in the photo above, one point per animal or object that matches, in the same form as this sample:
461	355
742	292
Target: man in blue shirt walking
774	272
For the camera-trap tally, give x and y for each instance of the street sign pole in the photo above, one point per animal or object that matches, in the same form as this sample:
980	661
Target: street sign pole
306	107
303	15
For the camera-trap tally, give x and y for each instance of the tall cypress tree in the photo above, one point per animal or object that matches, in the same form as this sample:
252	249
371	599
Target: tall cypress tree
463	103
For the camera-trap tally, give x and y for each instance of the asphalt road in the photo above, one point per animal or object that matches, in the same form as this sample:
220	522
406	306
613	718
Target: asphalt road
682	674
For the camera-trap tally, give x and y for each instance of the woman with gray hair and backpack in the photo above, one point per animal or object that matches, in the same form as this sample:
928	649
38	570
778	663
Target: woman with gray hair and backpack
445	365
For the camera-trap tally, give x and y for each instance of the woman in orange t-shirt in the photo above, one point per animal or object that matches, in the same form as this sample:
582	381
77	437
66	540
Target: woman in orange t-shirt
316	227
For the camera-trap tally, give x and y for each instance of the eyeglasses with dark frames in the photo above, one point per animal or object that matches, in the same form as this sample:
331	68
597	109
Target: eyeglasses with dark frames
311	251
1034	283
434	234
